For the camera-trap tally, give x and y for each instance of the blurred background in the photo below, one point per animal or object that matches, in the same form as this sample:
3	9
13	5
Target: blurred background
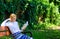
43	16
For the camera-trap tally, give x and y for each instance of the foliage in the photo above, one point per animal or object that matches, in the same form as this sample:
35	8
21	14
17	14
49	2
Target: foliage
40	14
34	11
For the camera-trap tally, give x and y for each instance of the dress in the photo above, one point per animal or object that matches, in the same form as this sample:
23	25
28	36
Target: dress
14	28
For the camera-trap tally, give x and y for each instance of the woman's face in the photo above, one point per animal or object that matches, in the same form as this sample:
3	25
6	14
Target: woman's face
13	19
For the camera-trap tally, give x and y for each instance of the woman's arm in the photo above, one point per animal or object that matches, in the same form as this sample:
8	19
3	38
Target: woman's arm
3	23
24	26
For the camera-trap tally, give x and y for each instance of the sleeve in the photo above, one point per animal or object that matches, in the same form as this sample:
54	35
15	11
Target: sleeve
18	27
4	22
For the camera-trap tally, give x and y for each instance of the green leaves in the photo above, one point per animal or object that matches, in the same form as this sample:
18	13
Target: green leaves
34	11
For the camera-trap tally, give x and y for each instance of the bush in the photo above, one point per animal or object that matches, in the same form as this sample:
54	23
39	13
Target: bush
33	11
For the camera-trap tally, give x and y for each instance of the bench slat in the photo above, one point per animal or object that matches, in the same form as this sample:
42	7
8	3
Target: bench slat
4	31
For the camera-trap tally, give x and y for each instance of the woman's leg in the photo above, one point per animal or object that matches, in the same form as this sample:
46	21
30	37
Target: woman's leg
19	35
25	37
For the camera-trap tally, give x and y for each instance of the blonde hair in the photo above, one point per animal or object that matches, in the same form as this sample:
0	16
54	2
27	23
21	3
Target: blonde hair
12	15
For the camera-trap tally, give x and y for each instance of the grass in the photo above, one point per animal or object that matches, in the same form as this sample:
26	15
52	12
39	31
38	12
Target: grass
46	34
42	34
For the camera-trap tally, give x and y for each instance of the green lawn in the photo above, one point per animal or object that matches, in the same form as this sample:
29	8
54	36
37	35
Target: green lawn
42	34
46	34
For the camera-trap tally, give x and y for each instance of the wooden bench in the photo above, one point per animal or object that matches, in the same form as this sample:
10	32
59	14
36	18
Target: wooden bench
4	31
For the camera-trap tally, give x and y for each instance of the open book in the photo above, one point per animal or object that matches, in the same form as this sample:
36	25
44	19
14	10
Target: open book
24	26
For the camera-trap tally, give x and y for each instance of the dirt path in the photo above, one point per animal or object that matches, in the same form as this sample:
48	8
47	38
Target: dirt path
55	27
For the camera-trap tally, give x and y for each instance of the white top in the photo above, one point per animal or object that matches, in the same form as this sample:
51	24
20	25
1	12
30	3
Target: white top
13	26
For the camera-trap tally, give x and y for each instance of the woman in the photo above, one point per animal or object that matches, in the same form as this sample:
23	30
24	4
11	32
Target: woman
14	27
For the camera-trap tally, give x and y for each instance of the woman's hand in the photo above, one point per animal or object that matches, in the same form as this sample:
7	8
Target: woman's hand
8	19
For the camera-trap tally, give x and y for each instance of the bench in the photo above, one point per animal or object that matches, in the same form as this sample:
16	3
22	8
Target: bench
4	31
